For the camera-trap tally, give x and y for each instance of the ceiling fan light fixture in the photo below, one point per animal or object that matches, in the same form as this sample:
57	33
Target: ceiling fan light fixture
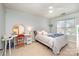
50	7
50	11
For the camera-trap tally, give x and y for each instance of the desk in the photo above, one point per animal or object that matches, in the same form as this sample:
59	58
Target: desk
9	38
28	37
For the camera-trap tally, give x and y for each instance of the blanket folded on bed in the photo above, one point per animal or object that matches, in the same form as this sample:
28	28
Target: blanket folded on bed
55	35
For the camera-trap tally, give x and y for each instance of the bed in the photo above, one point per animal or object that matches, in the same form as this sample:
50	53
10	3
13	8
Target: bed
53	41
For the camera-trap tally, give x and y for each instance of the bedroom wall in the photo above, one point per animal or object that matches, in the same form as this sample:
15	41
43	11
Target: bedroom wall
18	17
2	23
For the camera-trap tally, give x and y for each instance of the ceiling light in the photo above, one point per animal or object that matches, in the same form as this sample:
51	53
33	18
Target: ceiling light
50	7
50	11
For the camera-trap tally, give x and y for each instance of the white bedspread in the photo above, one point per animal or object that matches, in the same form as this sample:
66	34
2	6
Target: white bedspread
54	43
45	40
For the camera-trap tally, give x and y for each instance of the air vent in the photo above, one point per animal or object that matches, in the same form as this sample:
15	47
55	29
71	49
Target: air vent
63	14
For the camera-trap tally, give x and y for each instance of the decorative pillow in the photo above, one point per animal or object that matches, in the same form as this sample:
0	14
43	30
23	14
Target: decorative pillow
44	33
39	32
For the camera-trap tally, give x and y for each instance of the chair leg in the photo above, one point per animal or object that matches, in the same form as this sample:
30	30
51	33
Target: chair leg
9	47
5	49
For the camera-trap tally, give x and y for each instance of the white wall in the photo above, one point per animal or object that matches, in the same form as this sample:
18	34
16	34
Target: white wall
2	23
17	17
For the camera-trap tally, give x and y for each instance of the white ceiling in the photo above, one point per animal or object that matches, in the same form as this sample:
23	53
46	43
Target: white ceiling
41	9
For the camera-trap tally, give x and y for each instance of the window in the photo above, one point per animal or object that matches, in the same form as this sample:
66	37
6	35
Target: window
66	27
60	26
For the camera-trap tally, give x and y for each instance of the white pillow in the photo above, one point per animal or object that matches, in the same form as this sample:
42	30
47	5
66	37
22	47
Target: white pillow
39	32
44	33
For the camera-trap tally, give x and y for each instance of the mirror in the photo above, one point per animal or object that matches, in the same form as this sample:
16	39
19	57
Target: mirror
18	29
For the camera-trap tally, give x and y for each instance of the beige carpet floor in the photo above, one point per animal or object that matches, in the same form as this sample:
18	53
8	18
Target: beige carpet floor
38	49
